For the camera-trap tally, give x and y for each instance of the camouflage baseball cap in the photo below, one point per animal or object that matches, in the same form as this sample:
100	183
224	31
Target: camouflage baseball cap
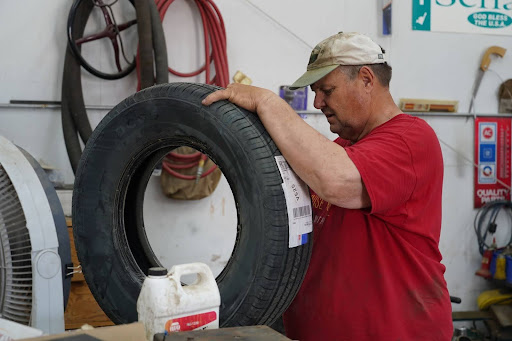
340	49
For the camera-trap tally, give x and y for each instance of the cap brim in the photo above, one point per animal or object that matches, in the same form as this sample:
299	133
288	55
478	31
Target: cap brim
311	76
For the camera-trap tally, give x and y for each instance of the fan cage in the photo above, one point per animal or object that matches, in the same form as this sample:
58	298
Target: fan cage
15	256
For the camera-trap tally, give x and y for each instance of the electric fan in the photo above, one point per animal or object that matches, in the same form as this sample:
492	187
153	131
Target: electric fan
34	244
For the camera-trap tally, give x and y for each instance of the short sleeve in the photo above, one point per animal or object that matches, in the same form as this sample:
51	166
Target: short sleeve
386	166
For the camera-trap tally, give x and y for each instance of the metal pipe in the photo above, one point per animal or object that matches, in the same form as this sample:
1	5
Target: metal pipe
49	106
303	112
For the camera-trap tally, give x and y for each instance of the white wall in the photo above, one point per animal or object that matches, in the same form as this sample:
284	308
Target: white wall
426	65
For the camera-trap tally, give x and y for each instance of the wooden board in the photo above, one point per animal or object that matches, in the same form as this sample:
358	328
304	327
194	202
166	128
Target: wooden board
503	314
82	308
252	333
77	277
471	315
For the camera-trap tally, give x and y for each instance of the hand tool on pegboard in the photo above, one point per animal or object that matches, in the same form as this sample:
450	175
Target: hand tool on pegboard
484	66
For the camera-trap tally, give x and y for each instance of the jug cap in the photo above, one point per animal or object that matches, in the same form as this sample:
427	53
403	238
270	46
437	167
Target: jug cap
157	271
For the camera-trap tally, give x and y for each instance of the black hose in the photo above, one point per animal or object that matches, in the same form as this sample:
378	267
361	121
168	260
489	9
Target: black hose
147	78
485	221
74	96
74	115
159	46
73	72
68	128
73	108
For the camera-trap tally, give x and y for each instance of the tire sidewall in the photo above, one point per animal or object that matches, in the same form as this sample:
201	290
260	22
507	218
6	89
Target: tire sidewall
123	138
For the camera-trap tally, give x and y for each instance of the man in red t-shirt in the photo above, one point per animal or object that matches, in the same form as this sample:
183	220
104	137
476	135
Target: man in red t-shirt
375	271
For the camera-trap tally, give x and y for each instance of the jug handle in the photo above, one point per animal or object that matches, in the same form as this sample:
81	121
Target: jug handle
205	275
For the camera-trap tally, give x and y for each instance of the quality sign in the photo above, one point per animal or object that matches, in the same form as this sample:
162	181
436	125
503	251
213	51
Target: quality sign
492	159
463	16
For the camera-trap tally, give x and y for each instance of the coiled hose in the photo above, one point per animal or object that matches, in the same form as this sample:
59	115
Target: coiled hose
73	106
485	221
214	32
151	36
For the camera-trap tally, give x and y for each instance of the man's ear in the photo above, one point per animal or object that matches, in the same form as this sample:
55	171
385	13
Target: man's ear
367	76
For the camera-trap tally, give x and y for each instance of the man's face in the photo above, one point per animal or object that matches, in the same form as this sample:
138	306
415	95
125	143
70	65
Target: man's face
343	102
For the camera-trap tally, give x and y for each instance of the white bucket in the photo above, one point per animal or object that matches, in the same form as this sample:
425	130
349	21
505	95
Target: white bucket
164	305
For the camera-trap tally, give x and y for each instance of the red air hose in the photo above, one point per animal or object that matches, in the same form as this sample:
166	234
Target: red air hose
170	167
214	34
176	161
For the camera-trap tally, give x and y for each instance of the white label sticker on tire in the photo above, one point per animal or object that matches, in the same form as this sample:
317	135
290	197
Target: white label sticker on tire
298	203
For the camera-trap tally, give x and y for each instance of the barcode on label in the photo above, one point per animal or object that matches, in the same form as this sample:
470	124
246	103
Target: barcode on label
283	165
301	211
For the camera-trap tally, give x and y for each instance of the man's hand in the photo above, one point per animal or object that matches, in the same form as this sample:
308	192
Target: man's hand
245	96
322	164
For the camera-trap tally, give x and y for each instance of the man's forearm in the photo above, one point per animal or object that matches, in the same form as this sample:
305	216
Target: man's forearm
321	163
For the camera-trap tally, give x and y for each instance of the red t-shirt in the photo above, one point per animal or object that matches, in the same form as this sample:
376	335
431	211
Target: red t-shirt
375	274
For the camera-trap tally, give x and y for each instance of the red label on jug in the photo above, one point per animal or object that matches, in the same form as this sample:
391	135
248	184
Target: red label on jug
191	322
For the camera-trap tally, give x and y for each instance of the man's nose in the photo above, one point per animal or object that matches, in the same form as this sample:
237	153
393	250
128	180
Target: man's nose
318	102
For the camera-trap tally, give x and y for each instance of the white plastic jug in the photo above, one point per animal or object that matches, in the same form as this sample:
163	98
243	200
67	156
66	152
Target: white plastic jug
164	305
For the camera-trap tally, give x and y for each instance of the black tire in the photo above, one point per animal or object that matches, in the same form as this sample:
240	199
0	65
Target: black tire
263	274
